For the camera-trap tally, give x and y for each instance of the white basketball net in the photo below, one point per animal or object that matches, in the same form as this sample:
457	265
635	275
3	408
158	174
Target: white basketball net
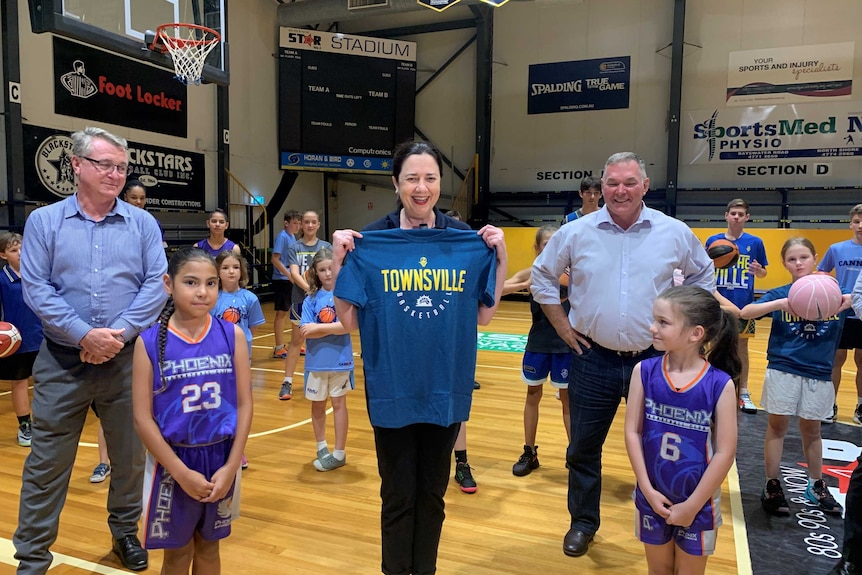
189	47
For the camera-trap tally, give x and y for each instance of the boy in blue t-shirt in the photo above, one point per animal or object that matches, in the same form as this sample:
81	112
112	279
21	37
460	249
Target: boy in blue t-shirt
846	259
736	283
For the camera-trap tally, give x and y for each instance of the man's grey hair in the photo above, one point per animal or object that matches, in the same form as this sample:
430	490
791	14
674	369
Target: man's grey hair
622	157
82	141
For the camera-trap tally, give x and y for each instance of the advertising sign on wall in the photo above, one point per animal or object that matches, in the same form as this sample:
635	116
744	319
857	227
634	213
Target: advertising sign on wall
599	84
797	74
772	145
174	179
97	85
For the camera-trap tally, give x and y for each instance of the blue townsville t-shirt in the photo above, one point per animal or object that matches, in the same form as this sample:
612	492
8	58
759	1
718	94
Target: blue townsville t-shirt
418	294
736	283
800	346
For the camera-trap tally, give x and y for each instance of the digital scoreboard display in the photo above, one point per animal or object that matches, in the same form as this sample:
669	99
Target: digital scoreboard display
344	101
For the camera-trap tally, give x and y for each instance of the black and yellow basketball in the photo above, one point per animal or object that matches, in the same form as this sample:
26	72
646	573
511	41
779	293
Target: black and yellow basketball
723	253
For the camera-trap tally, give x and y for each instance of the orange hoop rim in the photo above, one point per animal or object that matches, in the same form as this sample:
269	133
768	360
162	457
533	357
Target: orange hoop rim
162	35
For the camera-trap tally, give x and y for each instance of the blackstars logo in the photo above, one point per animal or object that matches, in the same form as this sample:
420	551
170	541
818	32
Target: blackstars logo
54	165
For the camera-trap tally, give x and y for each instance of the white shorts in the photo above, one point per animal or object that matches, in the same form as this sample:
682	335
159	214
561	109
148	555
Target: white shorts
788	394
322	384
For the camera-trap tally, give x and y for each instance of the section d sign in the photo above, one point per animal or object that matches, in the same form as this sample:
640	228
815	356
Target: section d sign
174	179
96	85
599	84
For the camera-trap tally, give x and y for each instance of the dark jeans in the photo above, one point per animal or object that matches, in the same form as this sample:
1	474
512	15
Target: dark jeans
414	464
853	517
598	379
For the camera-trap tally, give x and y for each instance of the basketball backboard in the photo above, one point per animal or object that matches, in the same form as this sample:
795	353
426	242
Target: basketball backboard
120	26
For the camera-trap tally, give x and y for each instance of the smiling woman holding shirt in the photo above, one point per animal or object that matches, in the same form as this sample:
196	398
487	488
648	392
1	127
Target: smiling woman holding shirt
428	278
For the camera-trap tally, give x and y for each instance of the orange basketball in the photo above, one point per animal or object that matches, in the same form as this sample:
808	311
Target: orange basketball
723	253
231	314
326	315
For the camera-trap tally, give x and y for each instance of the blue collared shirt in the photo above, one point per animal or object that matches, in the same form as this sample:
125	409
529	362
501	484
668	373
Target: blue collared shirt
616	274
81	274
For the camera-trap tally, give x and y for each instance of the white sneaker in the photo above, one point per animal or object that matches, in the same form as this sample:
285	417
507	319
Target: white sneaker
745	403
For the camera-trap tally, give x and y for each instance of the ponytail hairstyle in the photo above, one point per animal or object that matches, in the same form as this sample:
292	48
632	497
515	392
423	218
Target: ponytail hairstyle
314	283
175	264
721	333
243	266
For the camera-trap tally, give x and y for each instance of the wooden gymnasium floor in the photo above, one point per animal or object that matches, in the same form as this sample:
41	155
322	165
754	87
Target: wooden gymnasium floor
300	521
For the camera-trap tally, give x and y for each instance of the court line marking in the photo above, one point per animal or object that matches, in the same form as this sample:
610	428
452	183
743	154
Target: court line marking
740	533
7	555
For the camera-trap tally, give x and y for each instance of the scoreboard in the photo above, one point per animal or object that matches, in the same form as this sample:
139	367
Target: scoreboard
345	101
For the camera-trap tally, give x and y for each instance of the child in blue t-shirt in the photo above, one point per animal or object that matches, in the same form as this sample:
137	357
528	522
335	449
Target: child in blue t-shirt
328	361
235	303
846	259
798	380
18	367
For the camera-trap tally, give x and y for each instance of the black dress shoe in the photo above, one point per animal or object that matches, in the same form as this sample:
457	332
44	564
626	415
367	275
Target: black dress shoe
131	554
576	543
844	567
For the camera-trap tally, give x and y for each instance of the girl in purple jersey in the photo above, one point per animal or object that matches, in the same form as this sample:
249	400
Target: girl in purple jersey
216	242
680	429
191	391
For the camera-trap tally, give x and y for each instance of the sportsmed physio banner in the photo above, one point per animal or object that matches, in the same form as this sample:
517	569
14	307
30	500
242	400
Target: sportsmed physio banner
790	75
599	84
827	130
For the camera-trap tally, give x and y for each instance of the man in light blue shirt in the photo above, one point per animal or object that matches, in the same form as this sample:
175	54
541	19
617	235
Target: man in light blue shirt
92	268
621	258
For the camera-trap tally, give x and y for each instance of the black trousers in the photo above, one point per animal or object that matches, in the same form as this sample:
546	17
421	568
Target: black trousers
853	518
414	463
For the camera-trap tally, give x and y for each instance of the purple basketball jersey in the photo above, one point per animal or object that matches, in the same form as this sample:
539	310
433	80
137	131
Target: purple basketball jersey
196	404
677	437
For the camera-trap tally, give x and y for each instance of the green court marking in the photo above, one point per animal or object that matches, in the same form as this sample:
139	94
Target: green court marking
511	342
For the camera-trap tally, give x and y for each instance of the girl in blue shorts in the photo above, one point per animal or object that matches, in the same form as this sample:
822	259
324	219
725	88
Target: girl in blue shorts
546	355
680	429
191	391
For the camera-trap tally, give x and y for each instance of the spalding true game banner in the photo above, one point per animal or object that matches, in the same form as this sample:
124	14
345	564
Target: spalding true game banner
97	85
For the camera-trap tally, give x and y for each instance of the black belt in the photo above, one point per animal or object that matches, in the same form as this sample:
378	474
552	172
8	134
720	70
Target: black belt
594	345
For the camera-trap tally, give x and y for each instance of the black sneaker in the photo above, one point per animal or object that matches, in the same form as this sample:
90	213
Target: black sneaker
833	418
464	477
772	499
818	495
857	415
527	462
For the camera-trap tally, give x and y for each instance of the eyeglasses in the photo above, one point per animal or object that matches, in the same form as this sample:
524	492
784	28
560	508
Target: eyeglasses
107	166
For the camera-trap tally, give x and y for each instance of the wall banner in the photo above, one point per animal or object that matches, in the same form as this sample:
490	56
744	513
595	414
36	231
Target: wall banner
738	135
796	74
174	179
98	85
599	84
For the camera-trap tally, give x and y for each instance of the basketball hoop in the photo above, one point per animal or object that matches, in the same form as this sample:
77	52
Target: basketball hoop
188	45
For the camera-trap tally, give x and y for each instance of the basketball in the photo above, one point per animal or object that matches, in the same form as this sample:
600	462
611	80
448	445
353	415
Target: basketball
10	339
232	315
814	297
327	315
723	253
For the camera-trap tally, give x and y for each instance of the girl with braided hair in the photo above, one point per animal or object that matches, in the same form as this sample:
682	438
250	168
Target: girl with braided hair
191	390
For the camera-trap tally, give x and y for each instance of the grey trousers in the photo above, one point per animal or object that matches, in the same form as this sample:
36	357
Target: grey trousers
63	391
